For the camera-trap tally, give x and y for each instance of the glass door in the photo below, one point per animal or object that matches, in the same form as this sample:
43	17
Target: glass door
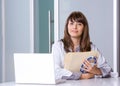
44	25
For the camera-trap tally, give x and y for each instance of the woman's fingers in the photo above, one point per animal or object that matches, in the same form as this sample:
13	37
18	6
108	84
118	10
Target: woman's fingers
88	67
87	64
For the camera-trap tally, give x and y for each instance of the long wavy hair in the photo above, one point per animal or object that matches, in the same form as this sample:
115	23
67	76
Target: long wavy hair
85	38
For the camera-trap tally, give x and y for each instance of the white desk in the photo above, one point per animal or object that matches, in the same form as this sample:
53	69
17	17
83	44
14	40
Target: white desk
89	82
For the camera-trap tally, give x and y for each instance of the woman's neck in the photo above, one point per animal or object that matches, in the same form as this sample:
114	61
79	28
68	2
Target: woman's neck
76	42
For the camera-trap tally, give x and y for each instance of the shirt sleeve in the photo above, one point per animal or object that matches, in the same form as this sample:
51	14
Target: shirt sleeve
74	76
58	55
102	64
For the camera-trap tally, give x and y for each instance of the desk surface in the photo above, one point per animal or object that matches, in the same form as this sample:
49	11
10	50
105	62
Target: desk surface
88	82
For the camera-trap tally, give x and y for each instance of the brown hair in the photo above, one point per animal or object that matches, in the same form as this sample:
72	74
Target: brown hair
85	38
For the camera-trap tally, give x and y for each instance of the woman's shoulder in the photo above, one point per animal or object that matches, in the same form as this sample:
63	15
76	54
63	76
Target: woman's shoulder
58	43
93	47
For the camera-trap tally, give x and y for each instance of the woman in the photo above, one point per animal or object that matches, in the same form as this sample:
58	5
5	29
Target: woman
77	39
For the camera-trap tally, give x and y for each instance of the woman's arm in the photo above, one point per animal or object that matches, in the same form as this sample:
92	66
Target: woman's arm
87	76
91	70
58	56
74	76
102	65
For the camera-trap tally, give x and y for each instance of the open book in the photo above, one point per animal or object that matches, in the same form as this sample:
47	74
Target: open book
74	60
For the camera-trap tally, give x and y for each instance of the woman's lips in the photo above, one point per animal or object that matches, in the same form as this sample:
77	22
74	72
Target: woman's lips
74	31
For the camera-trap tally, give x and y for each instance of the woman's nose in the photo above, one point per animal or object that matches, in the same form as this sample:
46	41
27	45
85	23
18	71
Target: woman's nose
75	26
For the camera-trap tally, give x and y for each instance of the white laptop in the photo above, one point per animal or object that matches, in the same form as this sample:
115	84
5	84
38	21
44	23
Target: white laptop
35	68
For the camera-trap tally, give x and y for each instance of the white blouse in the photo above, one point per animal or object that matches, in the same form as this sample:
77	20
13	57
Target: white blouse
58	54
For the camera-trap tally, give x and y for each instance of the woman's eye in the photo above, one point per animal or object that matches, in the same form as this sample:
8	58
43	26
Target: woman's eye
79	23
71	23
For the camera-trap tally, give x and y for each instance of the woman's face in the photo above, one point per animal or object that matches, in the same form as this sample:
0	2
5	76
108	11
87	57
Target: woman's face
75	29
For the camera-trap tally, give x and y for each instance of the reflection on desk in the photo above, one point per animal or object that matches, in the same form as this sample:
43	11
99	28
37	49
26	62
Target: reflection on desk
87	82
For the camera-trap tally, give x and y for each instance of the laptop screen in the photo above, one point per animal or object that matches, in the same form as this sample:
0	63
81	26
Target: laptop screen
34	68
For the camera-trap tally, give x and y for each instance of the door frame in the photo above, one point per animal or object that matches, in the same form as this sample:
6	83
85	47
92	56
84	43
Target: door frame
3	40
115	37
56	20
32	26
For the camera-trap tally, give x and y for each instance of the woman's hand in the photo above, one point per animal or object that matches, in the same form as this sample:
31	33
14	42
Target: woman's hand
87	76
88	67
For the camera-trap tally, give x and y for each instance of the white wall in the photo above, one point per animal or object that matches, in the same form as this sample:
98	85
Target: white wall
17	33
99	14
